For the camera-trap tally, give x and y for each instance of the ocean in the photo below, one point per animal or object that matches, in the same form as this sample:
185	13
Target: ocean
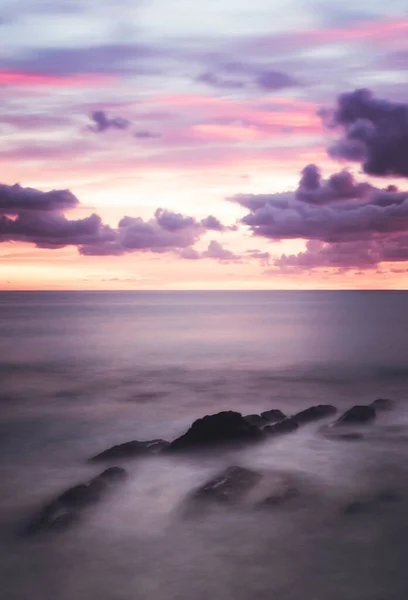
82	371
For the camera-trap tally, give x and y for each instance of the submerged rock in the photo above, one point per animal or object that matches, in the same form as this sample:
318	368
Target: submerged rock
383	404
67	507
285	426
229	486
131	449
221	428
273	416
308	415
279	498
373	502
315	413
358	414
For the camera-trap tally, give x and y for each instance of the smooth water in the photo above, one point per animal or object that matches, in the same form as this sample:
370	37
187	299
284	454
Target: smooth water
81	371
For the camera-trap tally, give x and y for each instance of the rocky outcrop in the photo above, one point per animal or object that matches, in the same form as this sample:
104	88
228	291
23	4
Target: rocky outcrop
68	506
383	404
308	415
357	415
222	428
229	487
131	450
256	420
273	416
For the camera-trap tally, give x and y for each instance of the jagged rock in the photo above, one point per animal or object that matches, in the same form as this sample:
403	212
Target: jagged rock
229	486
279	498
273	416
314	413
358	414
221	428
255	420
68	506
383	404
285	426
131	449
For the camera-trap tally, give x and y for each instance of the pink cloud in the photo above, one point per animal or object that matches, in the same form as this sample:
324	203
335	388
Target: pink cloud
21	79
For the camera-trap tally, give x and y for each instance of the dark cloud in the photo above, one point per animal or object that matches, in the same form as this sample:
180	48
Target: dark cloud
103	122
375	132
337	209
363	254
15	199
29	215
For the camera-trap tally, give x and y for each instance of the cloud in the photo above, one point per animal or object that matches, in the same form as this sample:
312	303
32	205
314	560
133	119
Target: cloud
103	122
238	75
30	215
145	134
332	210
364	254
217	251
15	199
375	132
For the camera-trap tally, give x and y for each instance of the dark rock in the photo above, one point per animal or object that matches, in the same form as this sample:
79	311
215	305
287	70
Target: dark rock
82	495
350	437
372	503
279	498
285	426
383	404
68	506
111	475
314	413
221	428
358	414
255	420
229	486
273	416
131	449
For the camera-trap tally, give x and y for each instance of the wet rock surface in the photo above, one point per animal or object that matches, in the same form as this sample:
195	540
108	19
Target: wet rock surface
67	508
228	487
358	414
131	449
273	416
221	428
373	503
383	404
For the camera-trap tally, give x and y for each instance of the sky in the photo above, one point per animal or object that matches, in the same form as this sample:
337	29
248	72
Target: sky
157	144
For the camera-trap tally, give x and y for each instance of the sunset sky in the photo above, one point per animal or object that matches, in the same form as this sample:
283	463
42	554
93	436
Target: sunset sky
161	144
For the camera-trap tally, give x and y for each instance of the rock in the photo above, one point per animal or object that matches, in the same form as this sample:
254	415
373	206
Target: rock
255	420
373	502
111	475
383	404
131	449
82	495
285	426
279	498
229	486
358	414
273	416
68	506
221	428
314	413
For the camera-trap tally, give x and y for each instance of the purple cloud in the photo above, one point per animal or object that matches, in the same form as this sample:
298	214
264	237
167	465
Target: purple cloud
15	199
375	132
145	134
237	75
29	215
338	209
103	122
